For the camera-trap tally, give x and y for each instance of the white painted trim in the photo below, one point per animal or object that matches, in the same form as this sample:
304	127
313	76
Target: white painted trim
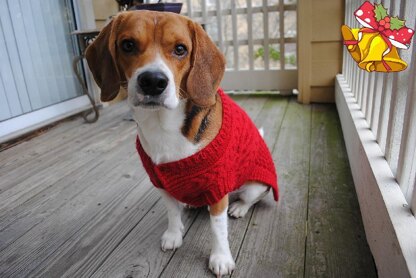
388	221
260	80
85	19
20	125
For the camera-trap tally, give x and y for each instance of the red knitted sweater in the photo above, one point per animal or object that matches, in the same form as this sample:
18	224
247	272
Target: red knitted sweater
236	155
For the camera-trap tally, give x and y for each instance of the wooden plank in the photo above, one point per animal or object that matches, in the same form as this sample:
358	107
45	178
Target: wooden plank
336	242
139	254
84	251
191	259
56	139
276	234
20	189
59	187
71	220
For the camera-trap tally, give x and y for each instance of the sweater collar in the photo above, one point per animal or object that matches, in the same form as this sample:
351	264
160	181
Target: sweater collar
209	154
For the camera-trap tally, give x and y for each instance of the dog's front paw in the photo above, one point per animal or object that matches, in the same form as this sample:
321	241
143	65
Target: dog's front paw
221	264
171	240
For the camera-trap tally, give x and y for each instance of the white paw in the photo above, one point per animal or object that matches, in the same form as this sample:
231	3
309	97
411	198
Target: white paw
171	240
221	264
238	209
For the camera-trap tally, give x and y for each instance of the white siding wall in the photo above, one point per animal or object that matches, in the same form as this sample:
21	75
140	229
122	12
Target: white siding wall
36	54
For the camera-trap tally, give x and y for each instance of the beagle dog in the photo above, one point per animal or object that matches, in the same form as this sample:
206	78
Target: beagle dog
172	71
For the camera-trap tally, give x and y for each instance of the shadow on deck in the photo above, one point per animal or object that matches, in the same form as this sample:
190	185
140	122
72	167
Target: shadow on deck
75	202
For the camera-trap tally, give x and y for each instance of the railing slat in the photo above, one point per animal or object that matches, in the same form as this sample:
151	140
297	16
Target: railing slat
219	26
250	34
369	101
356	82
361	89
234	28
407	155
384	112
266	35
364	92
413	202
378	93
397	102
189	13
282	33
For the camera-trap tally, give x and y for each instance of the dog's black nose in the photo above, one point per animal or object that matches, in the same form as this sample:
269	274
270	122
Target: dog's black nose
152	83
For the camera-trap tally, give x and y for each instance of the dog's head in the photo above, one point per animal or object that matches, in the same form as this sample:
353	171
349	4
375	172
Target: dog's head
163	57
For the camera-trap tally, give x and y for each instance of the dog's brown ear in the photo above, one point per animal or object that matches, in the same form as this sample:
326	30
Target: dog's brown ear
100	56
207	68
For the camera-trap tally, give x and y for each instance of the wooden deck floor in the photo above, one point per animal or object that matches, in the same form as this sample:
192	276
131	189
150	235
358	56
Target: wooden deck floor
75	202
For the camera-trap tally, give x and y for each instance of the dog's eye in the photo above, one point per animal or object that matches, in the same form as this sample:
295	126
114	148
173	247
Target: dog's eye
128	46
180	50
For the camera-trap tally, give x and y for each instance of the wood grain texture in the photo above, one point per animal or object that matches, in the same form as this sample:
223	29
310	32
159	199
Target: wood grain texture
83	207
274	244
336	242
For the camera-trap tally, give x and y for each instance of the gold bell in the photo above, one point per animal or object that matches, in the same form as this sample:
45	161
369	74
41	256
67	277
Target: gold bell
360	43
377	60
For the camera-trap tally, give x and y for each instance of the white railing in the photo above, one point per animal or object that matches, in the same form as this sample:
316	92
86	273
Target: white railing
388	102
378	116
258	38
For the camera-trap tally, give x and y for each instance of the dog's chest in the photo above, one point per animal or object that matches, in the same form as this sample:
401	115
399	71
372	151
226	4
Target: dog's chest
160	135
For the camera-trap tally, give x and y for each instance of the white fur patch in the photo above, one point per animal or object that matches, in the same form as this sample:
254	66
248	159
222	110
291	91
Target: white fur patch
172	237
159	129
221	261
160	133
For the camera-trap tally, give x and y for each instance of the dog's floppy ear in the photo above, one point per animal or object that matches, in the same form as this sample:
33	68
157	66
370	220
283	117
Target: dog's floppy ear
207	68
100	56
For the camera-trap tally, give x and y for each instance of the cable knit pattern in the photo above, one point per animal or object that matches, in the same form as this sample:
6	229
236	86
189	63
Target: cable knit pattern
236	155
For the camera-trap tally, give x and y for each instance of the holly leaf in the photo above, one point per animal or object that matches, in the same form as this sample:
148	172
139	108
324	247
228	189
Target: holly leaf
380	12
396	23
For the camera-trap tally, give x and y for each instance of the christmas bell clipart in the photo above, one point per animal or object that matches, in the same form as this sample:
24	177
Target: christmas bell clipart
374	47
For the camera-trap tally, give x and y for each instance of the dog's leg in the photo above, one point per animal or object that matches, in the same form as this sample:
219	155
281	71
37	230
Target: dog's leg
248	195
172	237
221	261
